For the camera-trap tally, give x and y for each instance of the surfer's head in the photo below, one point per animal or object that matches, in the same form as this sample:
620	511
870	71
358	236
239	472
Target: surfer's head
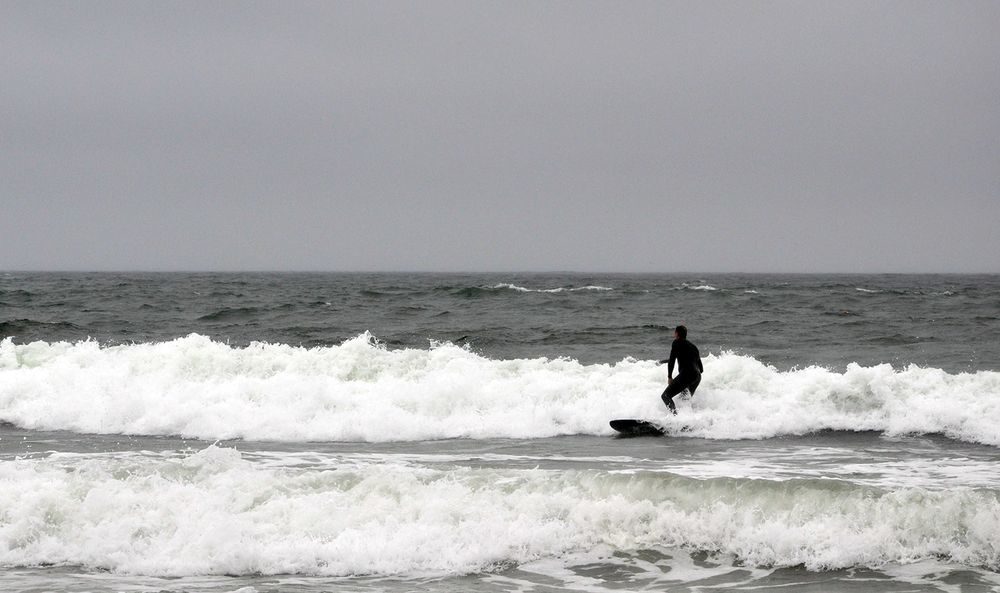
681	332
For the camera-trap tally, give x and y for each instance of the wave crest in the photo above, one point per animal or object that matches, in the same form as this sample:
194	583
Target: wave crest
164	514
362	391
517	288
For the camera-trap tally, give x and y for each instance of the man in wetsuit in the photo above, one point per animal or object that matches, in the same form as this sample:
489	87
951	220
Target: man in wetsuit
689	368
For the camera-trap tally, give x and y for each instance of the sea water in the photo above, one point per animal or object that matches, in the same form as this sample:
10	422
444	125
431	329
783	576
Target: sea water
391	432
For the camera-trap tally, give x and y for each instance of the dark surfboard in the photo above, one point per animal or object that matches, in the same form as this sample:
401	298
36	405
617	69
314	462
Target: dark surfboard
631	427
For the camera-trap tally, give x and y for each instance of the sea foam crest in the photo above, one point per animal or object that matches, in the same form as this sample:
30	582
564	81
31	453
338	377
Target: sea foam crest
517	288
702	286
362	391
215	512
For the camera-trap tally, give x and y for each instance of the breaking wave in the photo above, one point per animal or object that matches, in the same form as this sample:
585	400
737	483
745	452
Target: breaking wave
517	288
362	391
218	512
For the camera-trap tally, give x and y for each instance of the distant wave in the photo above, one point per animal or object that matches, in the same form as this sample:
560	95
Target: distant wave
707	287
505	287
231	314
15	297
551	290
237	314
897	339
362	391
13	327
169	514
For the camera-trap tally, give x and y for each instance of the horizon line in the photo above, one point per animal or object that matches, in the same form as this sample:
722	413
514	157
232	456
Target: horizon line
487	271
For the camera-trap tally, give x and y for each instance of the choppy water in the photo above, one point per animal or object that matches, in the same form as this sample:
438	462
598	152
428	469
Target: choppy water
213	432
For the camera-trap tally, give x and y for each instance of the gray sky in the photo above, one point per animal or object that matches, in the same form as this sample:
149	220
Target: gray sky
469	136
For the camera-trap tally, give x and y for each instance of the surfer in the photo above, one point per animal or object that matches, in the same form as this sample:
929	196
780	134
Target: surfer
689	368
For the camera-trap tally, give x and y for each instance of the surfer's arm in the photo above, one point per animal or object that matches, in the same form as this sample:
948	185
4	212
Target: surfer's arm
670	367
670	362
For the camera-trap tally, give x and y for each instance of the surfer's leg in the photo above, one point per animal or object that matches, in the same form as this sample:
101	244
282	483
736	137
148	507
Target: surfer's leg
693	384
670	403
668	394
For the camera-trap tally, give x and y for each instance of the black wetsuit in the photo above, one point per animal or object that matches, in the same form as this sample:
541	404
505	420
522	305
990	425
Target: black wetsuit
689	370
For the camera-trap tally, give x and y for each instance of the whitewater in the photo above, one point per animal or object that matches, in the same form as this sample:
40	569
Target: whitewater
362	391
389	432
174	515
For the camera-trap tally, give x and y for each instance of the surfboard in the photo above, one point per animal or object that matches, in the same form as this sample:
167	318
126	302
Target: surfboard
632	427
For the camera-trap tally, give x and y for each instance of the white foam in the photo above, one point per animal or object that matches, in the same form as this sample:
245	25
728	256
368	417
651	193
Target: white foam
552	290
361	391
216	512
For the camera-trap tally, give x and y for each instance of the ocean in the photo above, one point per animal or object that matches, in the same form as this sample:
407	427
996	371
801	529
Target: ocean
263	432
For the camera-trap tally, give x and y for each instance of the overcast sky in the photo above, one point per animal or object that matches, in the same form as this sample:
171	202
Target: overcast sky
495	136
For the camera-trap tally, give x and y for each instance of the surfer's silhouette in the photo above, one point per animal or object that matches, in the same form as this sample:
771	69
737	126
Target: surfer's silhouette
689	368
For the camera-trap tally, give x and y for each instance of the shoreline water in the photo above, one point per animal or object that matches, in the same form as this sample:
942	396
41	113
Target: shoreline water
773	473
